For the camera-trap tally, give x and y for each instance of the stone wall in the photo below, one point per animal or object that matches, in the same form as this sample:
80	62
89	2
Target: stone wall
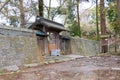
84	47
17	47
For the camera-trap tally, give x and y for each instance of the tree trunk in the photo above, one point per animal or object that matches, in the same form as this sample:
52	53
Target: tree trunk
49	9
22	15
118	9
40	6
115	42
78	16
103	27
118	12
97	27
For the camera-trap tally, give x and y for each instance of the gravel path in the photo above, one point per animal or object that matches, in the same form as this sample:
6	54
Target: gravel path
83	68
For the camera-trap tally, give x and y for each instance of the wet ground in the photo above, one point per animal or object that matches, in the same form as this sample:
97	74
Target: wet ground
84	68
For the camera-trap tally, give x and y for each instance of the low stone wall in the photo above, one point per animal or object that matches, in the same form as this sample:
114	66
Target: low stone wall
84	47
17	47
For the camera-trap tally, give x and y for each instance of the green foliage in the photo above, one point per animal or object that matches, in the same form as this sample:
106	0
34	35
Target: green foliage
1	72
62	11
89	34
93	15
70	11
71	16
112	12
53	12
112	17
92	35
13	20
110	0
74	29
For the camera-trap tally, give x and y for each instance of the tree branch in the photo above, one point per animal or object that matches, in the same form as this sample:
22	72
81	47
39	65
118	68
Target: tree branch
4	4
58	9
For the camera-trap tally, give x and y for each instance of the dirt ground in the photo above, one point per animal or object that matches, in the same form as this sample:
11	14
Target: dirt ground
85	68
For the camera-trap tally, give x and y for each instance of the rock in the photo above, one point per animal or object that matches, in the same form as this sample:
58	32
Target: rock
46	62
31	65
52	61
58	61
74	57
115	68
11	68
67	59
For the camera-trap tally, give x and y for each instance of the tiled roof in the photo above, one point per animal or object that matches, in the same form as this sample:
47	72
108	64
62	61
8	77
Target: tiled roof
48	23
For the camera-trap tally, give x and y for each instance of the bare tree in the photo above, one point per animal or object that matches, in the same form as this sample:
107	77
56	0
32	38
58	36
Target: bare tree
97	27
49	9
22	15
78	17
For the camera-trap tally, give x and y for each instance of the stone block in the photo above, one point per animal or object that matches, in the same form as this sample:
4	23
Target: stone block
11	68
